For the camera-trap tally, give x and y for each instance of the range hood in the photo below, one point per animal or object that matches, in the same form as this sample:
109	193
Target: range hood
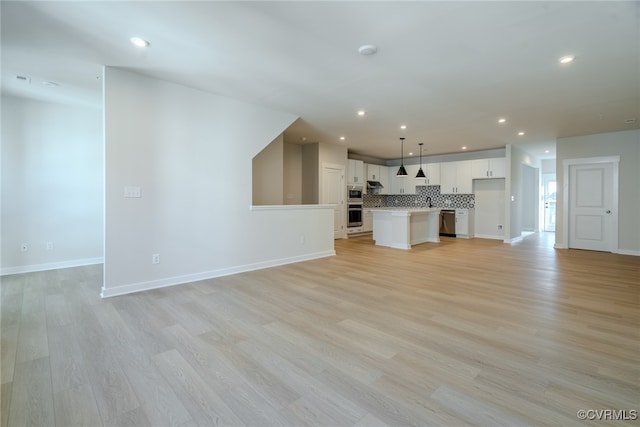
374	184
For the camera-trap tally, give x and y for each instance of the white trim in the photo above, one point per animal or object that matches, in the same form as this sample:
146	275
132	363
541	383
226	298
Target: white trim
50	266
514	240
179	280
566	163
628	252
488	236
289	207
559	246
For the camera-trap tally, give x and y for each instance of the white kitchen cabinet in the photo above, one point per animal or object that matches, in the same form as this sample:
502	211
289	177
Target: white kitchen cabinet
432	170
488	168
384	180
367	221
455	178
378	173
406	184
464	223
355	172
373	172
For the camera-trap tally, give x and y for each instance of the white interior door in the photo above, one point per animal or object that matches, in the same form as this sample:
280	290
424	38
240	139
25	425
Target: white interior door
333	192
591	210
549	182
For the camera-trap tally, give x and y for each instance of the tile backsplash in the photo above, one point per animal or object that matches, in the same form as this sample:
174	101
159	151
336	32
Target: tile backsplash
419	199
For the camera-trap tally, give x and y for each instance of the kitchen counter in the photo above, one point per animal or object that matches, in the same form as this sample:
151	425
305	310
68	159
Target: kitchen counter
403	227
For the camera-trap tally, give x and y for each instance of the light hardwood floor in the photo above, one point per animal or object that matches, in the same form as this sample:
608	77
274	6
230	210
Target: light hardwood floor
462	332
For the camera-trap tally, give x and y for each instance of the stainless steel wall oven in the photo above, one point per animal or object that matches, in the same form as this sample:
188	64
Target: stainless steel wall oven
354	215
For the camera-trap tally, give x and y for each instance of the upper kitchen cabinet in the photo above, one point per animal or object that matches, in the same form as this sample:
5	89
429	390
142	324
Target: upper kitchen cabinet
378	173
455	178
406	184
432	170
355	173
488	168
372	171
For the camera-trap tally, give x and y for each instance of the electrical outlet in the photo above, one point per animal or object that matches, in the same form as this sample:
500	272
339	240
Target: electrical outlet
499	227
155	259
24	247
49	246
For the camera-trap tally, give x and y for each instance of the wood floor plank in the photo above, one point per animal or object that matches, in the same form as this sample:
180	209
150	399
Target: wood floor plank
462	332
68	370
8	349
110	385
5	403
204	404
32	337
76	407
57	310
156	397
31	395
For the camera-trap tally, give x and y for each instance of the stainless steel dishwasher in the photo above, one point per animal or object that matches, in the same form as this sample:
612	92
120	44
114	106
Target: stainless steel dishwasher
448	222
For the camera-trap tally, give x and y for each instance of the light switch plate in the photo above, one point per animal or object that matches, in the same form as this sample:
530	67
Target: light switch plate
132	192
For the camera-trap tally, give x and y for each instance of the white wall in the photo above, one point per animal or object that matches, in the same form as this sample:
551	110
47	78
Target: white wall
52	185
489	207
189	152
292	174
625	144
514	191
268	174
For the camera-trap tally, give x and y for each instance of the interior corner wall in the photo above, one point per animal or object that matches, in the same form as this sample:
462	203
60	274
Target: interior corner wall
187	150
292	174
52	185
310	173
268	174
625	144
516	158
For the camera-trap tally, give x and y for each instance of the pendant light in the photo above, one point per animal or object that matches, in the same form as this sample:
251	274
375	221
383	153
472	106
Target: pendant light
402	171
420	173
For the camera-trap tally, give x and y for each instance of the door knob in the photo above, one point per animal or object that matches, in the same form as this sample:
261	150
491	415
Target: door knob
608	212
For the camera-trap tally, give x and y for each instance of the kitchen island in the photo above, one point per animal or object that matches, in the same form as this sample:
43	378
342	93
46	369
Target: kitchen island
403	227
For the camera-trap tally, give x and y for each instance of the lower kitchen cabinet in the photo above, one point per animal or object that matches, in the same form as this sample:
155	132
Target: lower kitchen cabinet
367	221
464	223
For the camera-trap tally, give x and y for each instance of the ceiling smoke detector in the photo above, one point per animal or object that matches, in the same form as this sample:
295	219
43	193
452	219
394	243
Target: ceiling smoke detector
367	49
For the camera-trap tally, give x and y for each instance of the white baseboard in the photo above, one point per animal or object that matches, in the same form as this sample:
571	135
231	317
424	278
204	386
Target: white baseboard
188	278
559	246
514	240
489	236
628	252
50	266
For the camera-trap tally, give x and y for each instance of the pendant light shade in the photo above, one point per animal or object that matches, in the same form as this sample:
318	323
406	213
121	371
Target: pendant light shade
420	173
402	171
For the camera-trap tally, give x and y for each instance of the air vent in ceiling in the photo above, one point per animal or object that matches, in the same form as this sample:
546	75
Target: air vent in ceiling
25	79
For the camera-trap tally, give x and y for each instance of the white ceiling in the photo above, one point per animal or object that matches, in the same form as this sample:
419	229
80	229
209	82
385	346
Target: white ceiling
448	70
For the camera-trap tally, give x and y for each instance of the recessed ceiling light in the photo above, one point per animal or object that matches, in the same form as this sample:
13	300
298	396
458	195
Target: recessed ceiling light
502	120
403	126
367	49
342	138
139	42
464	148
546	151
566	59
520	133
411	154
361	113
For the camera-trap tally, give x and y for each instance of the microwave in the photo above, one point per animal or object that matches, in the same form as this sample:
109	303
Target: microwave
354	193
